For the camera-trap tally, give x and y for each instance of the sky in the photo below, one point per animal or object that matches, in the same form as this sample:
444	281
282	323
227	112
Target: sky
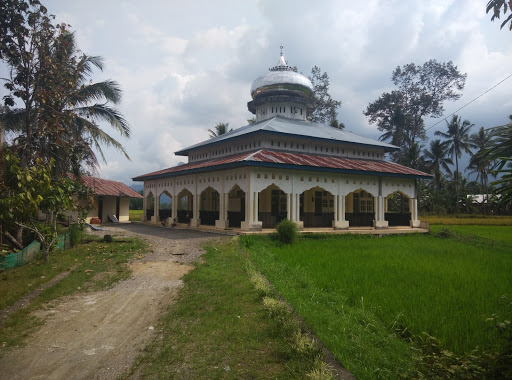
184	66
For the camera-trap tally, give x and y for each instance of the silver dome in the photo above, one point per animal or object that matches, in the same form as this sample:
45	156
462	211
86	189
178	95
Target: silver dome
282	78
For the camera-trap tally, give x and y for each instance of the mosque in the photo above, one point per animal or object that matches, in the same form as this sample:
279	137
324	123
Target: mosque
283	166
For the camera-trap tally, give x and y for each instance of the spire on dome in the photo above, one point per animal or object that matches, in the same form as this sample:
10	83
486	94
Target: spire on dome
282	65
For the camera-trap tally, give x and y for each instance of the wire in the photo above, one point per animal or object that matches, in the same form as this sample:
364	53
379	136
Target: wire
467	104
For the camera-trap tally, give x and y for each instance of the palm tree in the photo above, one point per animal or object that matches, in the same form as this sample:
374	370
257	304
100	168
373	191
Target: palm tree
436	159
220	129
68	109
499	151
457	138
88	106
479	165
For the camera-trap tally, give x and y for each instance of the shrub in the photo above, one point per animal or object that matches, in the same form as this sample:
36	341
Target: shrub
303	344
320	371
75	234
446	233
246	241
287	231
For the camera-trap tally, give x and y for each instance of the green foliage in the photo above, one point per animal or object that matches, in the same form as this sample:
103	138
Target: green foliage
367	298
287	231
445	233
497	7
421	92
27	192
76	234
220	129
246	241
325	106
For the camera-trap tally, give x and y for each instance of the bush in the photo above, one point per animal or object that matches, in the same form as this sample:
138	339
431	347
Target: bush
75	234
287	231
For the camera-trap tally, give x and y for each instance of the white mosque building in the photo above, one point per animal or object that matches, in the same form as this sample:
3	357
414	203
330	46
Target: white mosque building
284	167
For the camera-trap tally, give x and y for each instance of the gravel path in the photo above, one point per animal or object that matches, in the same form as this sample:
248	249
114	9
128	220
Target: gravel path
97	335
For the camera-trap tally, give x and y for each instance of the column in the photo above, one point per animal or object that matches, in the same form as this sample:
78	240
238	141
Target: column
251	222
413	208
379	213
339	221
156	206
255	212
195	221
222	222
297	211
288	206
144	207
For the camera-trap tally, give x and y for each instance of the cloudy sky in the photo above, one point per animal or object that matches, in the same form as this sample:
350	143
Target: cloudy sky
186	65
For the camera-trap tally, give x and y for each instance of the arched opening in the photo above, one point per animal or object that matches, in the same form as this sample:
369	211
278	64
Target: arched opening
236	206
397	211
150	206
359	206
316	208
165	205
272	206
209	206
185	206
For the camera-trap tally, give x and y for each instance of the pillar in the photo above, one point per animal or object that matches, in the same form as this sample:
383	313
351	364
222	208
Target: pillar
251	222
144	207
288	206
222	222
339	222
195	221
379	221
413	208
156	218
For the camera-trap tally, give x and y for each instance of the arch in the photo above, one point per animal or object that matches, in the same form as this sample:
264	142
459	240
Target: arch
150	205
185	206
164	205
396	209
209	206
316	207
360	208
272	206
236	206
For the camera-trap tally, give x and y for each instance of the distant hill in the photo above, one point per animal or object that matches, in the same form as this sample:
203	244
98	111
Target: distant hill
137	187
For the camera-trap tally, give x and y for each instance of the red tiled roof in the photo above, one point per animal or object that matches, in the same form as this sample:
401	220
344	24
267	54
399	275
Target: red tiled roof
108	187
292	159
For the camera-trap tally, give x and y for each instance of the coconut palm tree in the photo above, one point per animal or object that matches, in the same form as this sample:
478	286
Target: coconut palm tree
479	165
220	129
437	159
457	137
68	110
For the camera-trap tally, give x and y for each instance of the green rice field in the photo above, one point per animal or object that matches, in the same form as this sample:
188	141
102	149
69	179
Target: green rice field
367	297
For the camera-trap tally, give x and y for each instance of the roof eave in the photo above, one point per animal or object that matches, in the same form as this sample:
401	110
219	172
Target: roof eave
281	166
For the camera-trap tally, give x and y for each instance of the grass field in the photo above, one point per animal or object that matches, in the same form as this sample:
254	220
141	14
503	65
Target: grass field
464	219
359	294
219	329
135	215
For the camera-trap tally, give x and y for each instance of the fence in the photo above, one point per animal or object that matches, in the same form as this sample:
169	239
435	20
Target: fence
30	252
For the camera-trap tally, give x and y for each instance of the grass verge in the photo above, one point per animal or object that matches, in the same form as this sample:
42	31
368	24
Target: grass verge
220	329
366	297
135	215
93	265
465	219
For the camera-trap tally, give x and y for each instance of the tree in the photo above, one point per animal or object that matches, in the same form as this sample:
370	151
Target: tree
499	150
421	92
325	106
61	113
457	138
220	129
479	165
27	193
496	6
436	160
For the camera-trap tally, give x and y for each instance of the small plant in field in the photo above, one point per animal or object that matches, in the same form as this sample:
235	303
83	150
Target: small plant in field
260	284
76	232
277	309
320	371
287	231
303	344
246	241
446	233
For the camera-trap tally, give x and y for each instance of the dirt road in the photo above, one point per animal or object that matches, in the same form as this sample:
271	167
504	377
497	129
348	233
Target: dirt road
97	335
